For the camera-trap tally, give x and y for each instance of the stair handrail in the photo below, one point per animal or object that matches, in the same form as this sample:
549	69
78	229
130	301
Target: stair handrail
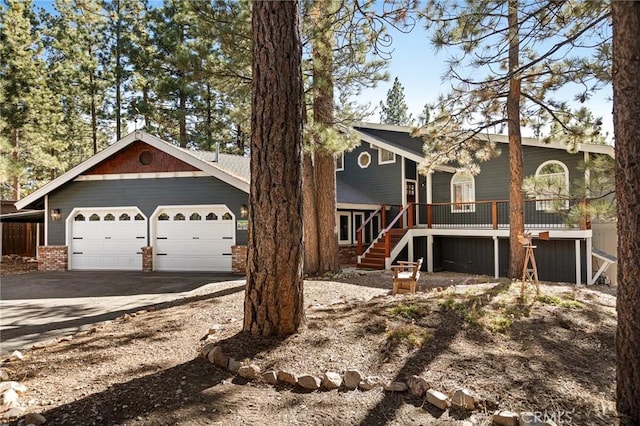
387	235
382	207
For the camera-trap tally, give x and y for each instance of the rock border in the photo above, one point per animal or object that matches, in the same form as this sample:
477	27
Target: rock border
352	379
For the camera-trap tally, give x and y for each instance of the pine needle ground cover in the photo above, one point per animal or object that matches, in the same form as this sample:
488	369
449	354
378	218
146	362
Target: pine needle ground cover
553	354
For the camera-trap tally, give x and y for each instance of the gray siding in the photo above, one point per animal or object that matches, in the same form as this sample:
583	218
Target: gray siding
555	259
492	183
382	182
146	194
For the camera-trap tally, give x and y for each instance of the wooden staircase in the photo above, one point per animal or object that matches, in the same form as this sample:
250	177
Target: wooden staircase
374	258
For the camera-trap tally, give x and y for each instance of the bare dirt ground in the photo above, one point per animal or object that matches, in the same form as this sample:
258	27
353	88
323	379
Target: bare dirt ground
12	264
553	355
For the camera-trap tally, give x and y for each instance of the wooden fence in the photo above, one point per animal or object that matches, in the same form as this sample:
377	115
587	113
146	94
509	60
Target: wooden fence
21	238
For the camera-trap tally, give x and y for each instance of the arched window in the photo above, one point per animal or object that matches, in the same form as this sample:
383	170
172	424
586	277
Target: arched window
463	192
552	182
79	218
124	217
212	216
94	218
163	216
195	216
139	217
226	216
178	216
109	217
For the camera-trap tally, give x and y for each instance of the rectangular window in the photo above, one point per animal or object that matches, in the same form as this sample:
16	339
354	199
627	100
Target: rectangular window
340	162
463	193
386	157
344	228
358	220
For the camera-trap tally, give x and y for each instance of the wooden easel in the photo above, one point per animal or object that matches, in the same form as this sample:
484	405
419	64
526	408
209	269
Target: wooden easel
530	269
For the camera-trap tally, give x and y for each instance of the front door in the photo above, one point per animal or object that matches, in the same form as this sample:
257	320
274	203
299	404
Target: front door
410	196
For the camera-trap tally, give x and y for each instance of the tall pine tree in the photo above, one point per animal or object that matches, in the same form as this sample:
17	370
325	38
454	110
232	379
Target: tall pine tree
394	110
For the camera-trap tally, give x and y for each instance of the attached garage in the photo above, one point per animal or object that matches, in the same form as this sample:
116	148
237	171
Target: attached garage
106	238
193	238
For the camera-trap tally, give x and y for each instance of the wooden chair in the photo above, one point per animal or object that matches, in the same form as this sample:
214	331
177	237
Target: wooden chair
405	276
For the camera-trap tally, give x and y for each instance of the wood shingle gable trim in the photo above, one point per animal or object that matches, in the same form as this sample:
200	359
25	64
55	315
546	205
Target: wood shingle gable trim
212	169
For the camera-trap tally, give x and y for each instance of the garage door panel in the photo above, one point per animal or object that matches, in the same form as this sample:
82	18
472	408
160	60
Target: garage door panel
200	242
108	238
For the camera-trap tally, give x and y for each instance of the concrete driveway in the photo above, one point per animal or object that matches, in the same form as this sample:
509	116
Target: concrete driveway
39	306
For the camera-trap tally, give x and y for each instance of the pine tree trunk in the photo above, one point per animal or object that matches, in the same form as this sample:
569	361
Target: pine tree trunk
182	119
15	184
310	217
274	292
516	197
626	110
118	106
324	166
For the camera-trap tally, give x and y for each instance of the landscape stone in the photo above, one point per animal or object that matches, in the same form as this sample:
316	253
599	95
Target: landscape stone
290	378
14	412
462	398
4	374
234	365
437	399
396	387
352	379
309	382
270	377
250	371
217	357
16	355
370	382
331	380
8	399
505	418
35	419
204	350
417	386
18	387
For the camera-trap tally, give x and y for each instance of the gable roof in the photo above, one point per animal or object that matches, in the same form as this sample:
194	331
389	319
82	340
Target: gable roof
400	138
231	169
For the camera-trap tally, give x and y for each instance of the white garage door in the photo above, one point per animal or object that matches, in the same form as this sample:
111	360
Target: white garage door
109	238
193	238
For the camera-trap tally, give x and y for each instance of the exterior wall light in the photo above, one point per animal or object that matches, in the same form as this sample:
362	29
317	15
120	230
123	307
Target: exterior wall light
55	214
244	211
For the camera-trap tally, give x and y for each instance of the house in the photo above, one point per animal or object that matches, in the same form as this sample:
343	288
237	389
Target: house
457	221
143	203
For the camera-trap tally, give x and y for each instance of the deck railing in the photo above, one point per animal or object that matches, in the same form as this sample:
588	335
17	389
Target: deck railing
547	214
538	214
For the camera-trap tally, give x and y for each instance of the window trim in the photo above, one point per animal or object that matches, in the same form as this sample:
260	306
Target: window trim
467	206
349	226
380	161
362	155
341	157
546	205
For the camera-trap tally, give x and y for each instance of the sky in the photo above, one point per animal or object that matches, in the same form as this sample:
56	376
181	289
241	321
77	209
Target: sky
420	69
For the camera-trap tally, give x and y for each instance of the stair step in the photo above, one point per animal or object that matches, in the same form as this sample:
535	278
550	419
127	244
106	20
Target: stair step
364	265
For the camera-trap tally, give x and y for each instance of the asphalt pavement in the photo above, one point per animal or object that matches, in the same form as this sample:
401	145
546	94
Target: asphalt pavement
40	306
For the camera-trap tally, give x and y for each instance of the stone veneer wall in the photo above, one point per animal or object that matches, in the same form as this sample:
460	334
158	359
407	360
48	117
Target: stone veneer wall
53	258
147	259
239	259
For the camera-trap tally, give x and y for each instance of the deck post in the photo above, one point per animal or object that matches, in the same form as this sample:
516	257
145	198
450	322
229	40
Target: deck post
429	216
384	217
578	266
496	257
387	244
429	253
589	260
494	215
359	242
